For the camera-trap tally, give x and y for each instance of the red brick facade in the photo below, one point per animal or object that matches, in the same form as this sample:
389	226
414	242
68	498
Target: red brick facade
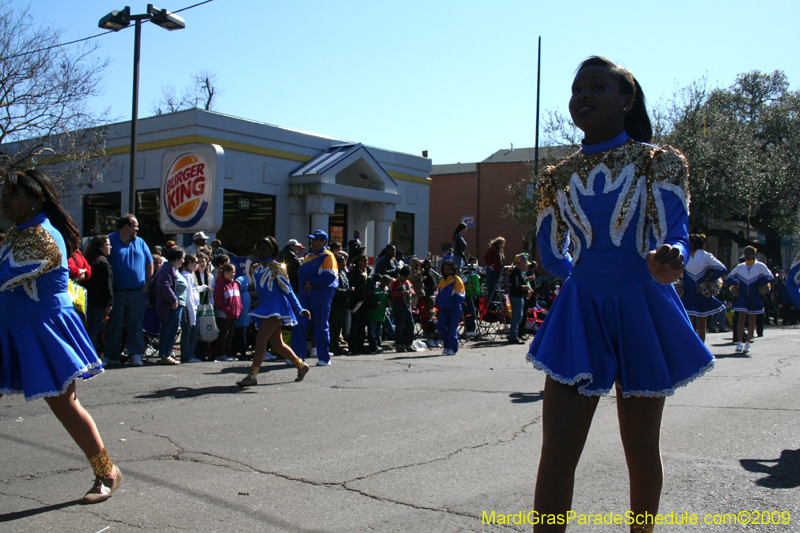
482	194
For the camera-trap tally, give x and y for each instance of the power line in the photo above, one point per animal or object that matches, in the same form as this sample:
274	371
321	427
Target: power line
88	38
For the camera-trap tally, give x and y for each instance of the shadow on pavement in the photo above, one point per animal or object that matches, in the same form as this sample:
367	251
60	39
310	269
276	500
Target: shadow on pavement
731	355
187	392
10	517
784	472
526	397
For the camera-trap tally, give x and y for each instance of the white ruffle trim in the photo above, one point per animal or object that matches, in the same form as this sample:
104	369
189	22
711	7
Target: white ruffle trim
602	392
670	392
287	320
95	369
748	311
705	313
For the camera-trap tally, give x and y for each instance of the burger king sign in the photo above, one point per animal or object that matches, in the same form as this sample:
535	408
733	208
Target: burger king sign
189	199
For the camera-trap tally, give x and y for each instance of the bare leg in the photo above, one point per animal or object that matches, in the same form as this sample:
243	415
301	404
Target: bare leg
640	429
78	423
270	331
567	417
700	327
265	329
740	327
751	327
276	339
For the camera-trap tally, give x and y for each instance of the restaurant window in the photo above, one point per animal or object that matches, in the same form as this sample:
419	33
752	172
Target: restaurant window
403	233
101	212
246	218
148	202
337	225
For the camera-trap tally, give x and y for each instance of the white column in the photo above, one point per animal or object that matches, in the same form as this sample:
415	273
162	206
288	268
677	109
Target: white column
320	206
319	221
382	231
298	218
298	226
382	214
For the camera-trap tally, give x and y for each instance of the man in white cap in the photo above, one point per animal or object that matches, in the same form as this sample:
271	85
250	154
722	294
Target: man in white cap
199	239
288	256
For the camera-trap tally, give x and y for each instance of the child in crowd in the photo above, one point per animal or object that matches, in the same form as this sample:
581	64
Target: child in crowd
621	206
216	263
400	293
228	307
448	300
190	332
377	314
240	344
427	321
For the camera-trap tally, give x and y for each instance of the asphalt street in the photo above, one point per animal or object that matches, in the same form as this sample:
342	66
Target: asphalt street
410	442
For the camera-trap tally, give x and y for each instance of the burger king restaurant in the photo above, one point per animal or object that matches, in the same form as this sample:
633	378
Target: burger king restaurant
239	180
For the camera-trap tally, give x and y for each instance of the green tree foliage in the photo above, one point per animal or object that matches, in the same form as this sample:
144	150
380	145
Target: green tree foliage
742	145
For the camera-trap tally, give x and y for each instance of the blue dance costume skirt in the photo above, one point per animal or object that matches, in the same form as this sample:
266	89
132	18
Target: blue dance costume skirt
752	303
699	305
639	338
41	355
278	306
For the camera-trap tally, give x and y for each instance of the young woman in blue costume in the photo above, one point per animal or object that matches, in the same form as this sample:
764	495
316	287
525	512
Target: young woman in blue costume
749	277
621	207
277	305
44	347
449	296
702	269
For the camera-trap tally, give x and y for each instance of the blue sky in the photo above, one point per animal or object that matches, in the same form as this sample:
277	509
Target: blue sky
456	78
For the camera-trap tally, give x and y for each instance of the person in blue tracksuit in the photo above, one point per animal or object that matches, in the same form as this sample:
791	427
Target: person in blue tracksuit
448	299
317	281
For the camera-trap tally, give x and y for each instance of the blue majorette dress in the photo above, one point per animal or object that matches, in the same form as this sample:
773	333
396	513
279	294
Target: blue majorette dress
612	322
43	343
275	295
751	280
793	280
702	269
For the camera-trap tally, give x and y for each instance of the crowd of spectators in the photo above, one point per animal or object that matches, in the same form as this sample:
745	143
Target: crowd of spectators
355	308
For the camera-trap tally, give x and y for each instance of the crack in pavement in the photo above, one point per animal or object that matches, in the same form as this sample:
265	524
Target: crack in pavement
344	485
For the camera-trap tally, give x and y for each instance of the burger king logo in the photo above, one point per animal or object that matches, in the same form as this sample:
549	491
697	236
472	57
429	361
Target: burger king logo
185	196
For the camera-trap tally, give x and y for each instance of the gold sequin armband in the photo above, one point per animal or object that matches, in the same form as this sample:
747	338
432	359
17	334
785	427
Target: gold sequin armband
32	247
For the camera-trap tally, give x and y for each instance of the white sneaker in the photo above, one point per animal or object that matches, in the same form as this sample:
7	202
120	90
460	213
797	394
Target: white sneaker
136	360
313	352
746	348
270	357
739	348
323	363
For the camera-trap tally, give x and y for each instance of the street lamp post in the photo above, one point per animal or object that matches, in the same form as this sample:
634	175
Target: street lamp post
115	21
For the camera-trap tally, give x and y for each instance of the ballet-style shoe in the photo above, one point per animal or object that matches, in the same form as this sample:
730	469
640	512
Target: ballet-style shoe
102	488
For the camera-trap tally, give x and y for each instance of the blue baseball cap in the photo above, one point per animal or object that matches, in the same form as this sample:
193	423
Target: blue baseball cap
319	234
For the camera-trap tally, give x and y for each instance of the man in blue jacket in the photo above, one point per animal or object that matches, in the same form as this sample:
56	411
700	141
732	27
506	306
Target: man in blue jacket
317	280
